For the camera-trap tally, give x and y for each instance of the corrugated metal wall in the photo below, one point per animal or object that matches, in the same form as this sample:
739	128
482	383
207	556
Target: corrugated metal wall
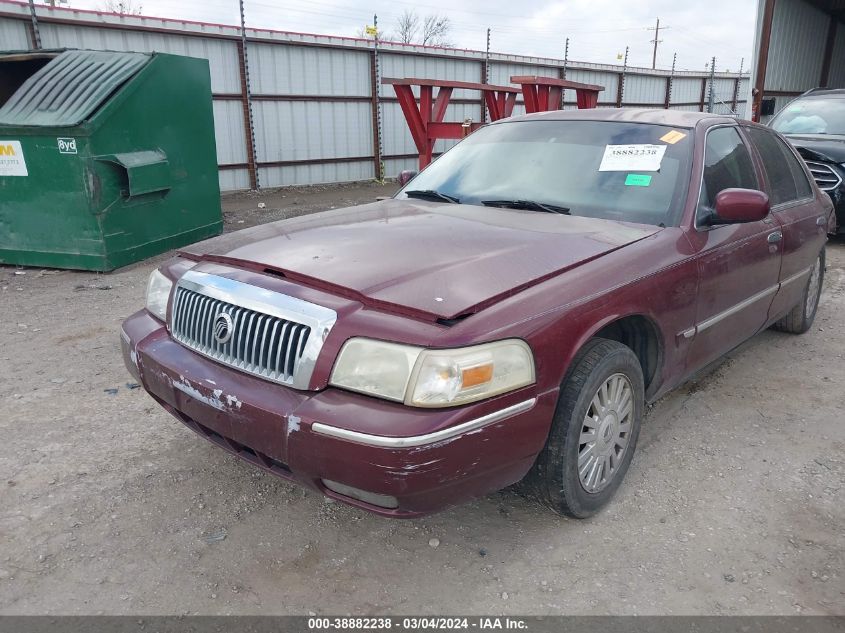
221	54
686	92
797	46
837	69
797	50
13	35
644	90
313	97
309	104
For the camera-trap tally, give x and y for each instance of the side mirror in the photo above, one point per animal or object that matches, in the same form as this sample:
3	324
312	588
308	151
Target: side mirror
737	206
405	177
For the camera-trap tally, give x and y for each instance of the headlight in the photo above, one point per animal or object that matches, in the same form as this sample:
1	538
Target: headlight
158	291
433	378
375	368
445	378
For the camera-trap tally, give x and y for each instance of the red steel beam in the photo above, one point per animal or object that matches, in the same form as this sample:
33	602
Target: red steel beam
542	94
425	116
500	104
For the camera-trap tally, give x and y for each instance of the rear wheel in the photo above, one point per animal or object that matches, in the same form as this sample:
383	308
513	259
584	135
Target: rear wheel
801	317
594	431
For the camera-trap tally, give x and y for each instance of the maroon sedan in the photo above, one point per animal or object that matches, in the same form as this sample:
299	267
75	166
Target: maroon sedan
508	313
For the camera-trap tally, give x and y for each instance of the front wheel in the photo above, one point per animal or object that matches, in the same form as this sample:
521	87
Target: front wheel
801	317
594	431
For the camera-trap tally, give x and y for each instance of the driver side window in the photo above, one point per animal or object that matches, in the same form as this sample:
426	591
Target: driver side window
727	164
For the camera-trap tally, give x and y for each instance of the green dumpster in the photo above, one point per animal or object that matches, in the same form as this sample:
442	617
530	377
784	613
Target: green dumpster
106	158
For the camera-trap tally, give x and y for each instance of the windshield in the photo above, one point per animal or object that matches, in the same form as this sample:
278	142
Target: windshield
812	115
632	172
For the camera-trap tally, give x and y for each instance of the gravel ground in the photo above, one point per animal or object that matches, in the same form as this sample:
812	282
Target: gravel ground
734	503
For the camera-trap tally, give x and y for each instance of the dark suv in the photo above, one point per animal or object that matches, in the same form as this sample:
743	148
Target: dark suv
815	124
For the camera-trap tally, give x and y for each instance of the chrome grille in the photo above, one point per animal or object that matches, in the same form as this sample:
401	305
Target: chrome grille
272	335
826	177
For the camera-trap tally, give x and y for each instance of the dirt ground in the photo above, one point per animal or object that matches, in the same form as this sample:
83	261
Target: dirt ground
734	504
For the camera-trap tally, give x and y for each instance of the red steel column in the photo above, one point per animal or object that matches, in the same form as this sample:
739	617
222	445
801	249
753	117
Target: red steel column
763	58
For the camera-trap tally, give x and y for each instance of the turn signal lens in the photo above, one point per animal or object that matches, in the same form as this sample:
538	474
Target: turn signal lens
474	376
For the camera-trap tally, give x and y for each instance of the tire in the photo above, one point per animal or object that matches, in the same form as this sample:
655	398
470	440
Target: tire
556	475
801	317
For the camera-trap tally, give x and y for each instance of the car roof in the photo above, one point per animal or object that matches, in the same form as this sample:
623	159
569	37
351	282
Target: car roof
824	92
655	116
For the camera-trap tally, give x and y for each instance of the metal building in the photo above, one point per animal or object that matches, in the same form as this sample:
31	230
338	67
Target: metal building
799	45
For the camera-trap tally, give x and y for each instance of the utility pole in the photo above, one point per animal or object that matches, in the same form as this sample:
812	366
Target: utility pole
656	41
565	58
36	34
712	97
487	59
621	99
671	81
563	72
377	89
737	83
248	95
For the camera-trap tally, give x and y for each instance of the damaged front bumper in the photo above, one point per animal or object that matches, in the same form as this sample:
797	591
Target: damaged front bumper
384	457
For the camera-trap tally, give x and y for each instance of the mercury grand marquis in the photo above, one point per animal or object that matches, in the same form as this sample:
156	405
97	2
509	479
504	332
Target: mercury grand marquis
505	316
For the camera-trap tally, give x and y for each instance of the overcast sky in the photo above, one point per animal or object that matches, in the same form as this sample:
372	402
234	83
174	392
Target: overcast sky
598	30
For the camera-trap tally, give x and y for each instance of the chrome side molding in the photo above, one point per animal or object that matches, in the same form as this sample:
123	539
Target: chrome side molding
721	316
429	438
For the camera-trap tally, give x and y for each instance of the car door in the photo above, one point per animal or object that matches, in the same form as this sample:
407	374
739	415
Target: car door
801	215
738	265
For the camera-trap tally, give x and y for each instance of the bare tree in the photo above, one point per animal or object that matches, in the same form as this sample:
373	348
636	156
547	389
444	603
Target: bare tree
407	26
435	30
431	30
122	7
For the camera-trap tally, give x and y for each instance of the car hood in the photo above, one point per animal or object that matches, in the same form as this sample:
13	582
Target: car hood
821	147
423	259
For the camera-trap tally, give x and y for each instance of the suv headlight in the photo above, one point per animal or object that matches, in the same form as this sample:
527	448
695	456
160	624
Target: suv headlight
433	377
158	292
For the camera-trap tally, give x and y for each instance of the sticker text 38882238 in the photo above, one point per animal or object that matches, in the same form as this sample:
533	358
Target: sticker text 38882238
632	158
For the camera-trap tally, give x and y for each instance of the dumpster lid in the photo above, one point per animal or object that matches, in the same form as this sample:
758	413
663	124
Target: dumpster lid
70	87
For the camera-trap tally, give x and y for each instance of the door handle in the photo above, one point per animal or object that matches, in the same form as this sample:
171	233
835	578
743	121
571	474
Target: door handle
820	221
775	237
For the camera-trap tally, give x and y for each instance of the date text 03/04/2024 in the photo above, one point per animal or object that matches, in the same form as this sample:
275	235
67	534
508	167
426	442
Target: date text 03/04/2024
416	623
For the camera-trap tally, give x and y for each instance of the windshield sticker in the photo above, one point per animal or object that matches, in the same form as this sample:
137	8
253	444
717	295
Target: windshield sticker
632	158
12	162
638	180
673	137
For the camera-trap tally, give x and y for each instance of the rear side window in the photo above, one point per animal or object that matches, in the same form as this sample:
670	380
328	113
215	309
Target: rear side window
727	164
787	180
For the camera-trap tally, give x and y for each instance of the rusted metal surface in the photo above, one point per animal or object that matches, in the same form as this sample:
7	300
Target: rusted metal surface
762	58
